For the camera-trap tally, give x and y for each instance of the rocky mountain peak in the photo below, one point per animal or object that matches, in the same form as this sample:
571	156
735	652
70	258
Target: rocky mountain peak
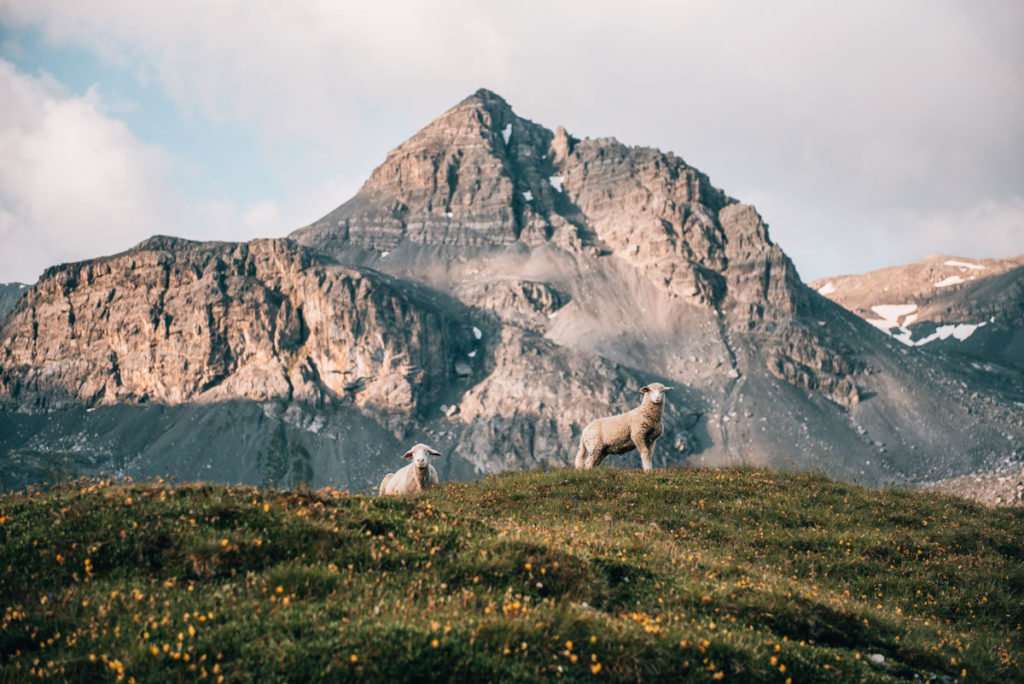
458	181
481	179
481	176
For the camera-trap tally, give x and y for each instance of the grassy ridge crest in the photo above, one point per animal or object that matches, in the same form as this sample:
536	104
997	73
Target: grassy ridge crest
700	575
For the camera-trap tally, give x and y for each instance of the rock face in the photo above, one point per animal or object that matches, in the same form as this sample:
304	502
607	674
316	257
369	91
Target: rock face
480	176
173	321
524	303
492	288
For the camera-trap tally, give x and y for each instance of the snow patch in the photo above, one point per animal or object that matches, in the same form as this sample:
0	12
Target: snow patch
964	264
556	182
951	280
477	333
958	331
506	132
528	196
827	289
890	314
904	336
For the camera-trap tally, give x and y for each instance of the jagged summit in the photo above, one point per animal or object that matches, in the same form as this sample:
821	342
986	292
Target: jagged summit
453	182
480	175
490	101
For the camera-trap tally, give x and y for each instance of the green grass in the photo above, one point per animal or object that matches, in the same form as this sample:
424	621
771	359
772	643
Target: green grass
735	575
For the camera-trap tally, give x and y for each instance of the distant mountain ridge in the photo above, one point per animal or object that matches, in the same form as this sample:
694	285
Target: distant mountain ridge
491	288
967	307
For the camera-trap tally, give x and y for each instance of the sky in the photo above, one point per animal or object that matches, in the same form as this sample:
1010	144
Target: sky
867	134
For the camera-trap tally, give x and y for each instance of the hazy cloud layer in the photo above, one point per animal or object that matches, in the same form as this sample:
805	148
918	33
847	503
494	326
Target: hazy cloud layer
76	184
867	134
72	180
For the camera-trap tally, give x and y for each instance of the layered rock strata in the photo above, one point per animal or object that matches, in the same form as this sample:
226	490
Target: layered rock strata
174	321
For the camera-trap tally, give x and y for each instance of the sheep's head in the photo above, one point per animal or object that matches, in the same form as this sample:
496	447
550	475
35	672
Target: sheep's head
655	392
420	455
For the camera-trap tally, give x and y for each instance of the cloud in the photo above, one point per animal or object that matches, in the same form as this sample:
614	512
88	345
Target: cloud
72	180
837	117
869	238
989	229
75	184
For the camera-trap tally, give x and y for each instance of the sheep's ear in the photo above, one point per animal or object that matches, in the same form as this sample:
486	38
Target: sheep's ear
645	389
433	453
665	389
408	454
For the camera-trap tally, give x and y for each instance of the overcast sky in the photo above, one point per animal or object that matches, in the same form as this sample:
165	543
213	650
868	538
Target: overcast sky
867	134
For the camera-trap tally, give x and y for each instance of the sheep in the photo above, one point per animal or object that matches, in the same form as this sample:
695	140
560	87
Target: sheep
416	477
637	429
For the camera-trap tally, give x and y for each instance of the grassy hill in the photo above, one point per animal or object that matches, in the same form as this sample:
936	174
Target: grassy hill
735	575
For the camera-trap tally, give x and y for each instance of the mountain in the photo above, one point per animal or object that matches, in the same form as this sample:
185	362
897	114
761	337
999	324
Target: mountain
653	267
492	287
972	308
9	295
255	362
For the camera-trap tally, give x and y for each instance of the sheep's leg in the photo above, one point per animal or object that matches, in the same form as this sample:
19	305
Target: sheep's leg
646	454
595	457
581	456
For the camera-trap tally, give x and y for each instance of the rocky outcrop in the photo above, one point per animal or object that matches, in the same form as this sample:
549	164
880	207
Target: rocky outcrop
995	489
762	281
451	183
174	321
524	303
480	175
805	360
652	209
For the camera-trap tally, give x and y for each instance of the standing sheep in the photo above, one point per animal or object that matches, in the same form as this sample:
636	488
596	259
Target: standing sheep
418	476
637	429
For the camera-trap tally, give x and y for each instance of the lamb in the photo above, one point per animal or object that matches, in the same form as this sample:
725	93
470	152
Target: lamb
637	429
418	476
